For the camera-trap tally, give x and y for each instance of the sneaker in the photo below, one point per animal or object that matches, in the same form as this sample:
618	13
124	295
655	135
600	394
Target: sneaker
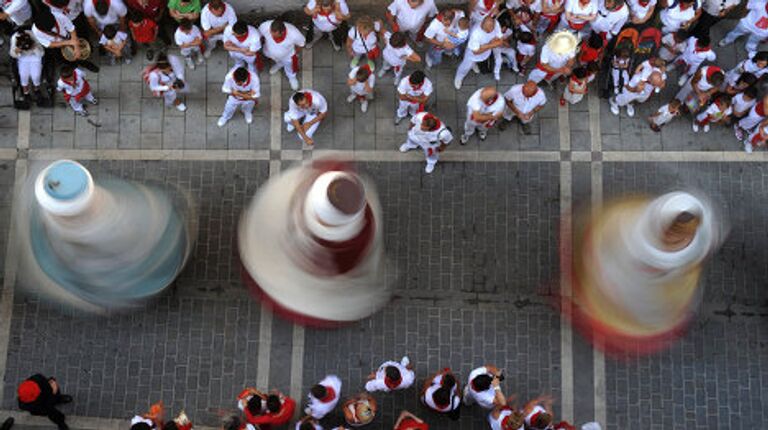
654	127
181	107
398	119
351	98
150	54
464	139
275	68
221	122
457	84
7	424
82	112
616	91
515	68
682	80
748	147
695	127
127	60
364	106
526	128
405	148
94	101
614	107
475	68
497	76
63	399
405	361
200	59
294	83
248	117
289	127
482	134
738	132
630	110
706	128
381	73
336	46
430	168
428	61
722	43
190	63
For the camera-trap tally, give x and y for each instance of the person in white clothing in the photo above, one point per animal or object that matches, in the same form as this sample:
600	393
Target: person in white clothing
538	413
640	11
189	39
441	393
578	15
243	43
411	16
101	13
282	43
718	112
756	64
306	110
29	60
484	387
215	17
712	12
484	108
638	89
610	19
327	16
522	101
75	87
672	45
363	41
743	102
391	376
758	113
308	423
704	84
17	12
243	91
437	37
165	82
55	30
479	9
69	8
504	418
116	43
413	93
361	82
679	15
754	26
430	134
482	39
323	397
696	52
506	51
552	64
664	115
396	54
757	137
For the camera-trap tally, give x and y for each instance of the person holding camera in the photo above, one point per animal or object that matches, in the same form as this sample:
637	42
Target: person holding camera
165	82
484	387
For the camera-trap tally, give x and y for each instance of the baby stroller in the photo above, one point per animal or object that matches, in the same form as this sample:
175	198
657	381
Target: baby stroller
643	43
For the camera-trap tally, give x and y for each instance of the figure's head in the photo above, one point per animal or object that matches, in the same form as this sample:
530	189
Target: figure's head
580	72
488	95
429	123
277	29
24	41
67	72
162	62
750	93
110	31
135	17
687	4
241	75
397	39
364	24
717	78
746	80
595	41
391	372
141	426
530	89
656	79
541	420
362	74
463	23
415	3
185	25
488	24
216	7
101	7
417	78
240	28
447	16
318	391
703	41
482	382
761	59
254	405
514	421
525	37
273	403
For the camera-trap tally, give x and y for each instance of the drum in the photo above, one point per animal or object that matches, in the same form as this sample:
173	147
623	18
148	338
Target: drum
69	53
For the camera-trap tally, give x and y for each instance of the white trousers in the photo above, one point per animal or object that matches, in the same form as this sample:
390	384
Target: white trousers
397	69
509	115
626	97
30	68
188	52
78	106
740	30
464	67
750	121
470	127
431	159
620	77
406	108
305	118
233	103
287	65
243	60
169	97
571	97
499	54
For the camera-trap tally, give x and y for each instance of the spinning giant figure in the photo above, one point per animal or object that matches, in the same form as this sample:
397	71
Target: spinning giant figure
311	245
101	246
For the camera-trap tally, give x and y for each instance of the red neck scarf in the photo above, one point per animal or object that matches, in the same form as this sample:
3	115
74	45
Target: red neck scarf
392	384
416	86
488	4
491	100
243	37
330	394
308	98
437	121
280	38
704	49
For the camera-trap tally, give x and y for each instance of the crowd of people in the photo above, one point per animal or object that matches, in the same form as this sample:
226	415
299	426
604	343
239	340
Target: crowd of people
441	393
578	42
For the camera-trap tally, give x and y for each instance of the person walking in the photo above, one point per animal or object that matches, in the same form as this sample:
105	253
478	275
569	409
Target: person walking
39	396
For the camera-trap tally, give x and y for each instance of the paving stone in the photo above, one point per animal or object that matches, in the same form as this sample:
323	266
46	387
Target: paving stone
63	140
106	139
40	135
195	125
237	131
130	130
216	137
85	133
8	117
258	134
130	98
173	133
152	115
155	140
63	118
109	114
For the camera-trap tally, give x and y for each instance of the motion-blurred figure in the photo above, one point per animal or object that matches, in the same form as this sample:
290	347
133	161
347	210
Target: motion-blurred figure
636	270
101	246
311	245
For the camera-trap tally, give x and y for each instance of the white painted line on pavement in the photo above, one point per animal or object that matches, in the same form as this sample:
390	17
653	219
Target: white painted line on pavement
297	367
566	335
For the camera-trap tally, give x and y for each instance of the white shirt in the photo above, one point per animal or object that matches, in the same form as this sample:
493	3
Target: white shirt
120	36
395	56
455	399
74	88
252	42
405	88
714	7
740	105
19	11
715	113
645	69
637	11
483	398
525	104
319	105
429	140
669	41
360	46
436	30
116	11
61	31
534	6
139	419
610	21
359	87
318	409
287	47
208	20
704	84
72	10
252	85
757	18
536	409
181	37
576	8
496	423
694	58
410	19
664	115
553	59
407	376
326	23
525	49
160	81
36	51
673	17
479	37
476	104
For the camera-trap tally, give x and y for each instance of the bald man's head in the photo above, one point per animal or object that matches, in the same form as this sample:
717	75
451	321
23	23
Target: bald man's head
488	93
530	89
656	79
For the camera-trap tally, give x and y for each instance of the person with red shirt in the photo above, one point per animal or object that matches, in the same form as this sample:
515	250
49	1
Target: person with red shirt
591	50
144	33
154	10
409	421
279	411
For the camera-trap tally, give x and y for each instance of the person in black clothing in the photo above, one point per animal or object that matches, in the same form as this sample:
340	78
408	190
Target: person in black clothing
7	424
39	395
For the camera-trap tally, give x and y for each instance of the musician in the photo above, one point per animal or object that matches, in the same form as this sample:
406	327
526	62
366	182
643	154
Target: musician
242	87
431	135
52	29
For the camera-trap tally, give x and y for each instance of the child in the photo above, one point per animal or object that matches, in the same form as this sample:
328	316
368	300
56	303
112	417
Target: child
664	115
757	137
525	51
361	82
744	81
75	88
742	103
143	32
459	37
756	65
189	39
620	68
591	50
396	54
672	45
697	51
716	113
29	59
116	44
363	40
577	87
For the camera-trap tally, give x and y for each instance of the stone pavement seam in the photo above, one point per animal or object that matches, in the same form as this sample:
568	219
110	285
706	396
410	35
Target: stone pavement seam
76	422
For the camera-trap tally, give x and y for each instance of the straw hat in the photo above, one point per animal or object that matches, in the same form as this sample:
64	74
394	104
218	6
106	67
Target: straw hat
563	42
